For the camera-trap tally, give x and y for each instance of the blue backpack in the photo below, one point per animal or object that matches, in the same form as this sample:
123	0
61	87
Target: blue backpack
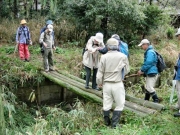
123	47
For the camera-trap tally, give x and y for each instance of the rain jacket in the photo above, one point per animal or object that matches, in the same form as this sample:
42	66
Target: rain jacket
150	61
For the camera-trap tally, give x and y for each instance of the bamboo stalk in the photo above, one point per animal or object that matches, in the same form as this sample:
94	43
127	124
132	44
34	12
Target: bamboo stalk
133	106
2	121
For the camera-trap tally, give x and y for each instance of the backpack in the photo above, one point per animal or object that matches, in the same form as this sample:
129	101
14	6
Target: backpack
160	63
20	30
123	47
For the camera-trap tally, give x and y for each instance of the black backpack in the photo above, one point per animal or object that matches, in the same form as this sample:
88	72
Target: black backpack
160	63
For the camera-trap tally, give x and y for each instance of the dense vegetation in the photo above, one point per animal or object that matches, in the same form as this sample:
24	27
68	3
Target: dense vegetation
74	22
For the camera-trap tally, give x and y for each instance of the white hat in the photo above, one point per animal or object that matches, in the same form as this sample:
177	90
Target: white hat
112	41
144	41
50	27
99	37
116	36
178	33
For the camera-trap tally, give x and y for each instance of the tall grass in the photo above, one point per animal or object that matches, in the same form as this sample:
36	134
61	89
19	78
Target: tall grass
65	31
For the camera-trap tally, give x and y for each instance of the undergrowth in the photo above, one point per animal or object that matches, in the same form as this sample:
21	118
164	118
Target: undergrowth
85	118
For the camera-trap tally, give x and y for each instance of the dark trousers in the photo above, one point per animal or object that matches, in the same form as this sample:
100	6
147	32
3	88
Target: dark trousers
88	75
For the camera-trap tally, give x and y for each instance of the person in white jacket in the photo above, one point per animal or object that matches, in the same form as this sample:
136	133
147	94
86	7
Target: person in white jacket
109	76
91	58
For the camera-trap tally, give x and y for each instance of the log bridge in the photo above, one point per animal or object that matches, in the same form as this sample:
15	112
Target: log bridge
76	85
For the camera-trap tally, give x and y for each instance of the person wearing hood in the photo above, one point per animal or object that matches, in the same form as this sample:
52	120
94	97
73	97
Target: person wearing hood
177	77
149	70
91	58
109	77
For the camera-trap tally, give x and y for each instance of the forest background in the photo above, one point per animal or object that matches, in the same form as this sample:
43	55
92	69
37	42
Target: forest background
74	22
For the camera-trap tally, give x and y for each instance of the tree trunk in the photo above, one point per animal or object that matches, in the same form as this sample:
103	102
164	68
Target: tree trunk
15	9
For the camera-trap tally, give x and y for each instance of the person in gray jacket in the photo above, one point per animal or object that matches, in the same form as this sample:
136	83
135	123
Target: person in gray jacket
46	38
109	76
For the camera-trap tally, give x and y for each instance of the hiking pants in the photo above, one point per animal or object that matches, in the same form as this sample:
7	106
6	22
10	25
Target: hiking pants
23	51
88	75
178	92
47	59
113	92
150	83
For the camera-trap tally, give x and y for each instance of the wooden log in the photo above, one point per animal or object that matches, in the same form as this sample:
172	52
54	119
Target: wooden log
135	111
72	88
73	77
145	103
139	108
99	94
77	84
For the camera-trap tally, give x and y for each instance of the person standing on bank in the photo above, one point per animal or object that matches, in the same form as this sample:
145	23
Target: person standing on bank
91	58
46	39
149	70
23	39
177	77
109	76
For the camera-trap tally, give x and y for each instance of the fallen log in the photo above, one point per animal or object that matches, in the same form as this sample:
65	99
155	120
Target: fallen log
145	103
131	105
128	97
72	88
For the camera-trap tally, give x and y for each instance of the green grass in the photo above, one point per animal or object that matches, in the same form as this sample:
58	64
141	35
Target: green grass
86	117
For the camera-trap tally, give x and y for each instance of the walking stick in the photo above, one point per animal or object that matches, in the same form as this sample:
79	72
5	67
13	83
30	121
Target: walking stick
132	75
172	92
15	49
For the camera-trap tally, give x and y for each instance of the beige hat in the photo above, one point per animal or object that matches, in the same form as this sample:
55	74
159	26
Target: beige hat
99	37
23	21
112	41
144	41
178	33
50	27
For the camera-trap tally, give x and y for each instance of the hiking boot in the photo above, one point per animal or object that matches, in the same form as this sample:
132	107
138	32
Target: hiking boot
177	114
96	88
147	96
46	70
115	118
51	69
106	118
87	87
155	97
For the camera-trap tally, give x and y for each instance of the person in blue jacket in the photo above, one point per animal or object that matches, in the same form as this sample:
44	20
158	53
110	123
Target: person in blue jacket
149	70
122	47
177	77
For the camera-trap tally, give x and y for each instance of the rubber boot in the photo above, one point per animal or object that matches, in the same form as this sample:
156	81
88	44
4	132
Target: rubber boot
147	96
106	118
155	97
115	118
